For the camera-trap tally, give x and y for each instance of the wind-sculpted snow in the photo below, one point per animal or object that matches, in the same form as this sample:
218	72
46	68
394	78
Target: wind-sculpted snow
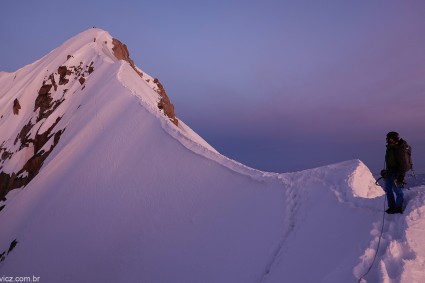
126	195
401	254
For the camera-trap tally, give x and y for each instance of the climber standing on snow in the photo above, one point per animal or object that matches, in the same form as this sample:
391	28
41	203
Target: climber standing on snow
397	163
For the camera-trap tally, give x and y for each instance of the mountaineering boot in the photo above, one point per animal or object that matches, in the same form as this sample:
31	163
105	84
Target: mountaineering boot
390	210
398	209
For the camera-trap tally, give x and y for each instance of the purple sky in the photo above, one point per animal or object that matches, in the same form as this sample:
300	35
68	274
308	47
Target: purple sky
277	85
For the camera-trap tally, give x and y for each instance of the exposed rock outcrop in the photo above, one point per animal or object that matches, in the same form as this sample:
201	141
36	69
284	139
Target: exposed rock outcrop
63	72
121	53
16	107
23	135
43	101
4	184
82	80
43	143
11	247
165	103
33	165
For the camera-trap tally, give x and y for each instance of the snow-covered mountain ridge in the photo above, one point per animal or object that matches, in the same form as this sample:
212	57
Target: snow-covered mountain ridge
60	79
118	191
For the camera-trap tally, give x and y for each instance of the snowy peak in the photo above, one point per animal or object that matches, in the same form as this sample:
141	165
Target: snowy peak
82	51
35	99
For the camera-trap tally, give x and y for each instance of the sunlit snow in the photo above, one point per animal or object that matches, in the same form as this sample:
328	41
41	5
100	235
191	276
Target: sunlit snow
126	196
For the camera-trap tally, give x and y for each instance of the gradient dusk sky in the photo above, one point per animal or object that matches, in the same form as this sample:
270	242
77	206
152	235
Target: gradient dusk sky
276	85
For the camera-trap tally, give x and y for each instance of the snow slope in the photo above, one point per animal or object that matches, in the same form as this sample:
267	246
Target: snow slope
127	196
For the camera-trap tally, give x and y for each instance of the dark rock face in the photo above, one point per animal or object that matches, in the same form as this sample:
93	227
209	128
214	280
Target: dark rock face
4	154
23	135
4	184
34	163
81	80
16	107
12	245
45	104
63	72
121	53
43	101
165	103
121	50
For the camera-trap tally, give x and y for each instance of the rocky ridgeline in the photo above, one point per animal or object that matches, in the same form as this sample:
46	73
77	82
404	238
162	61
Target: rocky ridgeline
164	104
47	99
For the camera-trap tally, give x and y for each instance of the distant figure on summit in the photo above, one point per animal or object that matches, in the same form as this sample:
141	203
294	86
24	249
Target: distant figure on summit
397	163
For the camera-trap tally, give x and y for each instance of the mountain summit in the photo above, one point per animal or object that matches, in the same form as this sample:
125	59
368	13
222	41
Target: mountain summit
39	100
101	182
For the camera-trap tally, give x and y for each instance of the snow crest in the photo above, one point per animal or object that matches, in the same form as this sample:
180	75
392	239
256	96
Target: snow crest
400	257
